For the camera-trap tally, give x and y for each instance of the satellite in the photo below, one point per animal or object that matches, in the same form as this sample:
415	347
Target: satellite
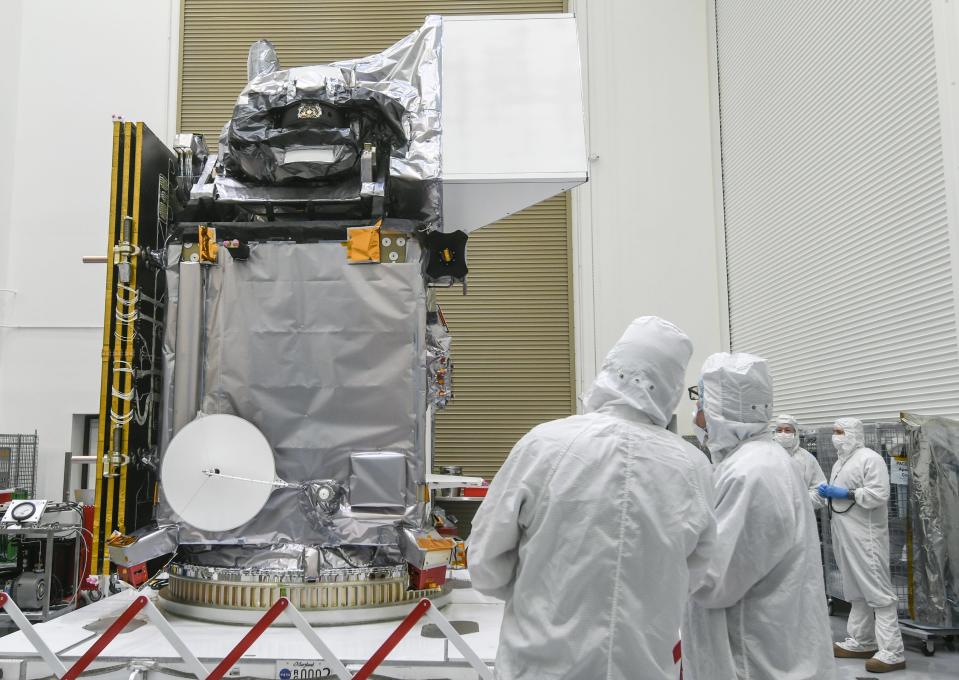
276	354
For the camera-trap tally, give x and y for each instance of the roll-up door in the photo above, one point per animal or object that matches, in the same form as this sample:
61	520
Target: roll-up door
837	235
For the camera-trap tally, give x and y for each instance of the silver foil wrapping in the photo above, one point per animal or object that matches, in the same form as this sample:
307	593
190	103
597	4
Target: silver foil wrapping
439	361
169	343
403	81
186	374
327	359
934	506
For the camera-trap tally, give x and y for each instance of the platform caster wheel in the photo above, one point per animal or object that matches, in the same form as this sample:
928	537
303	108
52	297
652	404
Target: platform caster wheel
929	648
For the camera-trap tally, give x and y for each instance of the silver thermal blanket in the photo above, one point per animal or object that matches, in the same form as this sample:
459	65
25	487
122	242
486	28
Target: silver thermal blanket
328	360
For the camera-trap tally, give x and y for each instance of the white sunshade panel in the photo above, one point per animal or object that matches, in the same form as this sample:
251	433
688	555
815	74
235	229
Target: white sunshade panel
218	472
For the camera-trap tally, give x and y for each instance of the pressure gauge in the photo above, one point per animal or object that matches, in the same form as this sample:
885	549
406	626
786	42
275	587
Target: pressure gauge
24	512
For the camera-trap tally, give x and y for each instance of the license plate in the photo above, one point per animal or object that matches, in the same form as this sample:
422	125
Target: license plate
302	669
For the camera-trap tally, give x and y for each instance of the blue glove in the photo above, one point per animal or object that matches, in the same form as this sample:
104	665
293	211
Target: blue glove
837	492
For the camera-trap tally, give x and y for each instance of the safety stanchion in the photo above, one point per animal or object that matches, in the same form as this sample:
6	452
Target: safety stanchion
424	608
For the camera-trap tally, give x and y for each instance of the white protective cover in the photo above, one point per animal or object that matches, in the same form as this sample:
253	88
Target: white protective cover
761	611
596	524
243	472
860	533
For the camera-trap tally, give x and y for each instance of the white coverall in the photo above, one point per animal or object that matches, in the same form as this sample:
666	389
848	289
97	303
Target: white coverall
860	539
594	526
809	468
761	611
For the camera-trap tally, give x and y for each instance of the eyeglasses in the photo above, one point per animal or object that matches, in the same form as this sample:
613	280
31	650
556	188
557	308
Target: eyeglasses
693	392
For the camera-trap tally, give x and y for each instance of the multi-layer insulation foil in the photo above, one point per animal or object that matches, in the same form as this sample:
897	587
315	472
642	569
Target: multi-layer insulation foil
328	360
934	506
391	99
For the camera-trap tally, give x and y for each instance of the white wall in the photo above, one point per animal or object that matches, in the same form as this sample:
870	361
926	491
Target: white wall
9	79
74	65
645	226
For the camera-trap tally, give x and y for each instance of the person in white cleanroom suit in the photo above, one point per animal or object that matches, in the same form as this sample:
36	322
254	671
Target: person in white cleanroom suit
760	613
786	435
858	492
596	524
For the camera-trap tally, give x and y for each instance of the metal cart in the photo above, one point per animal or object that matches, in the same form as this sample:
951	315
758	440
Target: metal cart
892	442
47	534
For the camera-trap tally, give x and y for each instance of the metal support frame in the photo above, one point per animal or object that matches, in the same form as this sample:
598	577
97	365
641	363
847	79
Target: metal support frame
282	606
13	611
67	462
48	535
302	625
406	625
97	647
424	608
155	616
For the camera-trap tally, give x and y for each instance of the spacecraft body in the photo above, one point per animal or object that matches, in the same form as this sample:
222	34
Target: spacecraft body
279	310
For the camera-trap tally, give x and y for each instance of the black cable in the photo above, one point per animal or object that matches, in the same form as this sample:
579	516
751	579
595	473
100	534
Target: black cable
831	510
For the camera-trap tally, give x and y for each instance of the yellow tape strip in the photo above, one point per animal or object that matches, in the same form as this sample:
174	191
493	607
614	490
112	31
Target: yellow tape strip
108	306
123	330
128	379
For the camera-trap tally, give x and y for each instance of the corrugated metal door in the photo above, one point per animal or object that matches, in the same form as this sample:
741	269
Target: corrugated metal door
512	333
837	235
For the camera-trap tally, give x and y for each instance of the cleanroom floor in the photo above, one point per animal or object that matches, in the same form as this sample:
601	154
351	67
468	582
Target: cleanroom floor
943	666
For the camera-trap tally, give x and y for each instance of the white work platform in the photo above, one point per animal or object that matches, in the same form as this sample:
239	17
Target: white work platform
415	657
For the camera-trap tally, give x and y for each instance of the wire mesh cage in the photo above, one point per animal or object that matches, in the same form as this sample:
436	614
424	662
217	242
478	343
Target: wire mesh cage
18	464
890	441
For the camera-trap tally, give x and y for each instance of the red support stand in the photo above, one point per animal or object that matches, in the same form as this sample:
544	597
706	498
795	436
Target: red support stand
419	611
256	631
105	639
423	608
678	657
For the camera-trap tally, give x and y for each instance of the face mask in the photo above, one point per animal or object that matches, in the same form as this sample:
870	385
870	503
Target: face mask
787	440
839	441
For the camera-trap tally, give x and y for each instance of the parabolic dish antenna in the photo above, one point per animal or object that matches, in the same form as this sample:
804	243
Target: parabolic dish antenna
218	472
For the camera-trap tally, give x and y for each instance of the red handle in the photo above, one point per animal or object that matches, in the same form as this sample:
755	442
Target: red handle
419	611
